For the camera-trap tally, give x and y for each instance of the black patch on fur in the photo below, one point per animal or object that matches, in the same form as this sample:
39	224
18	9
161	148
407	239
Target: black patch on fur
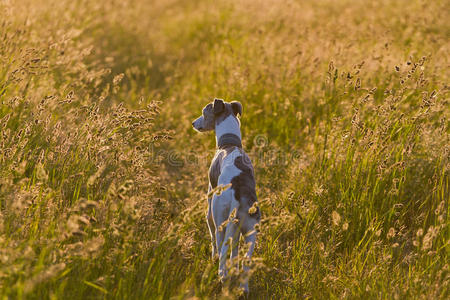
214	169
227	111
218	106
229	140
244	185
214	172
223	115
237	107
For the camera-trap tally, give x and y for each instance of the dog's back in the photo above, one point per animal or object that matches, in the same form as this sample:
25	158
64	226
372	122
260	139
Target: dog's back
232	165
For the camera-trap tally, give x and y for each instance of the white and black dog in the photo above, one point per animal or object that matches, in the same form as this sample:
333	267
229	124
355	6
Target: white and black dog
234	210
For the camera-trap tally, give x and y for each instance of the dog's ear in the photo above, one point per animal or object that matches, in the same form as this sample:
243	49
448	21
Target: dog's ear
218	106
237	107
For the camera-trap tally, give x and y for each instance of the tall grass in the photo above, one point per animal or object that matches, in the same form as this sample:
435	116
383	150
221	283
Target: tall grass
103	181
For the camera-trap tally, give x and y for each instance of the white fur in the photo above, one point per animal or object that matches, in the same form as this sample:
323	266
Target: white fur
228	170
229	125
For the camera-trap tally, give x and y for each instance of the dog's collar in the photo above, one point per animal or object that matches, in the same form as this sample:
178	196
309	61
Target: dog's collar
229	139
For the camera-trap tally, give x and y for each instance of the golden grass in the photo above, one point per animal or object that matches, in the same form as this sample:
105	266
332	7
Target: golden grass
103	181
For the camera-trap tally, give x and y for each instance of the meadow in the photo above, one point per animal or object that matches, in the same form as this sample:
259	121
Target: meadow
103	181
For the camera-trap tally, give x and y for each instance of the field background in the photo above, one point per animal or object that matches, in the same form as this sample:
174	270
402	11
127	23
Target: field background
345	116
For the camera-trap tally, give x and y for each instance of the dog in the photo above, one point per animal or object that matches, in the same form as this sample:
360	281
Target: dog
233	210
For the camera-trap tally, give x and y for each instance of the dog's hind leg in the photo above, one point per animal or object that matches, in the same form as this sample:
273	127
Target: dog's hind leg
231	233
250	240
220	211
212	231
235	250
211	227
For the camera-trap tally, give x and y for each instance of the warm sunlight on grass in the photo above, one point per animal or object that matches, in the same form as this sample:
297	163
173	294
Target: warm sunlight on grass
103	182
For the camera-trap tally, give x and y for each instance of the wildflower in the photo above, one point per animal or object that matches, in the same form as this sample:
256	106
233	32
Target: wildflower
118	78
96	175
440	208
391	233
335	217
321	246
345	226
253	209
427	241
41	174
358	84
318	189
419	232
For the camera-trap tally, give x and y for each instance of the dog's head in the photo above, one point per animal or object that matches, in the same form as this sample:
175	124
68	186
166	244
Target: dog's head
216	112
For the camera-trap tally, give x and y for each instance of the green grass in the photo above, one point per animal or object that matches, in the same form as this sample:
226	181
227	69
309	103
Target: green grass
103	181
